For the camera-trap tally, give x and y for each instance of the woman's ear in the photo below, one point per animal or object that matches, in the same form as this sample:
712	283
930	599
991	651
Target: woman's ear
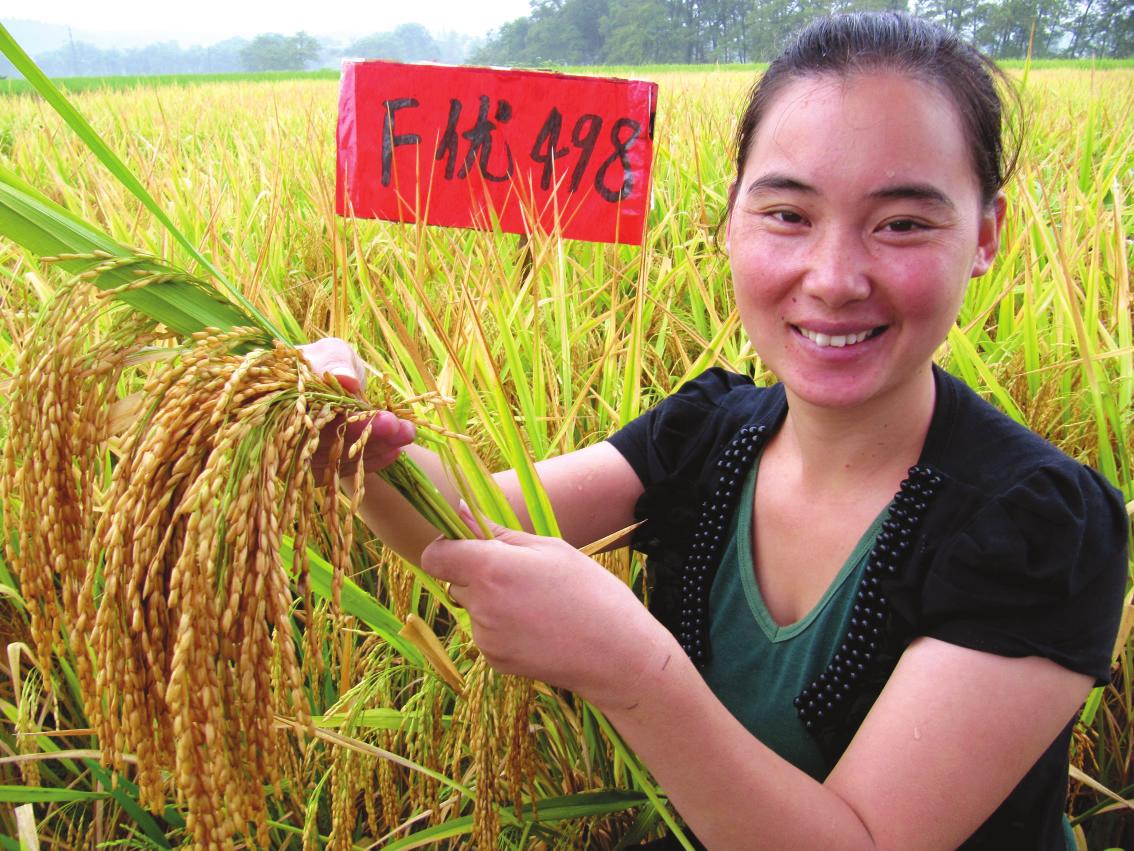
988	236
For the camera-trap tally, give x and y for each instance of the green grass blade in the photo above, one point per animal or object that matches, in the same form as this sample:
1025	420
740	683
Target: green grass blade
40	795
47	230
377	718
549	810
357	603
58	101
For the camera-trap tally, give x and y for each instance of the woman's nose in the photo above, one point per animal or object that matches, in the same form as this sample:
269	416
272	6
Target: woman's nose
837	271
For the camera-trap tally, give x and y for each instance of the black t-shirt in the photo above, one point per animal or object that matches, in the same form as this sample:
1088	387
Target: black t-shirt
1021	552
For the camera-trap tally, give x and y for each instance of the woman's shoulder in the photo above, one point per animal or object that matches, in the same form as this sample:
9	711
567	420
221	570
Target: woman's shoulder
681	435
1023	550
719	388
982	449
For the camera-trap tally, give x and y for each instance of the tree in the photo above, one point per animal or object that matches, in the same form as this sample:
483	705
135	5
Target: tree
1102	28
768	26
637	32
406	43
505	45
272	52
1012	27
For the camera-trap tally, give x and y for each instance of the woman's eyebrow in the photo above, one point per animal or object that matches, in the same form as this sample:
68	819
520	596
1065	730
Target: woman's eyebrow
913	192
925	192
775	180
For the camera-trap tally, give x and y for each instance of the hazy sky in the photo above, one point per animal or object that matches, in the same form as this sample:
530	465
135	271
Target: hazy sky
204	20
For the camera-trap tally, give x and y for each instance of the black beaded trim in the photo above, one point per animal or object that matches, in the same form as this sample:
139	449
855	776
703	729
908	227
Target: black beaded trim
709	538
827	695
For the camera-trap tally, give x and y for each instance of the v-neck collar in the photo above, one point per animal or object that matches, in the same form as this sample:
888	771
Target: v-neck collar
774	631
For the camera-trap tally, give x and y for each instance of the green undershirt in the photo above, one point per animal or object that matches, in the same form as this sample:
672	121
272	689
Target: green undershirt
758	667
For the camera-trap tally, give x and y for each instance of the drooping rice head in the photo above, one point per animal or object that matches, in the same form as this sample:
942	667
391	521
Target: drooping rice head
173	591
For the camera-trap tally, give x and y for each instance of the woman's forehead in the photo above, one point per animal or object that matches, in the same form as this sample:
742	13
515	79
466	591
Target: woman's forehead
876	123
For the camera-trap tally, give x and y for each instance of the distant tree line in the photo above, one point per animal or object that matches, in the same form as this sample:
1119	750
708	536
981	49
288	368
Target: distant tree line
267	52
79	59
633	32
274	52
414	43
628	32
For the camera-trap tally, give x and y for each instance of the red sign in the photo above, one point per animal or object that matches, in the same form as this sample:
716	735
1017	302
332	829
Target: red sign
463	147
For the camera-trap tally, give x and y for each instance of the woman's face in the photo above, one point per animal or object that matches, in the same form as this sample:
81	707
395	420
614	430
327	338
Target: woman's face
856	225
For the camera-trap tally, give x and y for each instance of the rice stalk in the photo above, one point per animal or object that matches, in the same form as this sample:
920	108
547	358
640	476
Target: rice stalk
174	590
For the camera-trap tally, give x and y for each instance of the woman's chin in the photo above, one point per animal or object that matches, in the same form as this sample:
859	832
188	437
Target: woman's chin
851	389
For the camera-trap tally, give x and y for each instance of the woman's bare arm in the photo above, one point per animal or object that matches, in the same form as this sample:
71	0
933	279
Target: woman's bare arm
592	491
951	735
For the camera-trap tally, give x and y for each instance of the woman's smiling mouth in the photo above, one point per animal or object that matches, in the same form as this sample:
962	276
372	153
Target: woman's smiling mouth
838	341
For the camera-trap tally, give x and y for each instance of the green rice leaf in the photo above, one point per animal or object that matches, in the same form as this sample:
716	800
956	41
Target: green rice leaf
46	229
40	795
125	794
547	811
376	718
357	603
58	101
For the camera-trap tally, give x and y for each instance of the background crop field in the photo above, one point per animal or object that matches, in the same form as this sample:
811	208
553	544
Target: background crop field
119	82
594	334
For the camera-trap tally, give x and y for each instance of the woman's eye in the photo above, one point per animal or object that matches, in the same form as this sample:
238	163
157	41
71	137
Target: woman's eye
903	226
788	217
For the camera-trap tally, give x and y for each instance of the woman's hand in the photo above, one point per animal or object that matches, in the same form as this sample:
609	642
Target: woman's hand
542	609
388	434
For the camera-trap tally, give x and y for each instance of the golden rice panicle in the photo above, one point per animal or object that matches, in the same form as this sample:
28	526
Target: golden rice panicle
58	414
386	778
176	585
518	697
484	719
193	633
347	768
27	702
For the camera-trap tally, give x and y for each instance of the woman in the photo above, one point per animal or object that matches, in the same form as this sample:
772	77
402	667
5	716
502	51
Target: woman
838	667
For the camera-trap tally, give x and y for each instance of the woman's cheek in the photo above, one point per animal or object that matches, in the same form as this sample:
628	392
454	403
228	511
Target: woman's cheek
931	292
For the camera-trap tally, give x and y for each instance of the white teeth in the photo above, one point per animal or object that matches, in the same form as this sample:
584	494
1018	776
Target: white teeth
838	341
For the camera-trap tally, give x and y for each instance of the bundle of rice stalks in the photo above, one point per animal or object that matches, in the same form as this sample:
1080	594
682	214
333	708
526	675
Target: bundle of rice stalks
166	571
149	536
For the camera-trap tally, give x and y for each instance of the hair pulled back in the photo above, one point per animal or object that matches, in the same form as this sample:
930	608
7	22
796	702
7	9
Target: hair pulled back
848	44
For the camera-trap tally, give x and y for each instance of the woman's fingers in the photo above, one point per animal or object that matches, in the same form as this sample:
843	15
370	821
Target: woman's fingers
452	561
388	433
338	358
390	429
473	561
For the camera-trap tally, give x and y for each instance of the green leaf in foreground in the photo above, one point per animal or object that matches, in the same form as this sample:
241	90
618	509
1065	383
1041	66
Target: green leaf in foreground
58	101
40	795
547	811
357	603
46	229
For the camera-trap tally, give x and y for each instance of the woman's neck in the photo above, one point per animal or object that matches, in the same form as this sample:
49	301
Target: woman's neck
838	448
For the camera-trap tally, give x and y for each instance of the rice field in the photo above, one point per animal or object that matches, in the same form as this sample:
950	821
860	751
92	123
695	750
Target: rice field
383	739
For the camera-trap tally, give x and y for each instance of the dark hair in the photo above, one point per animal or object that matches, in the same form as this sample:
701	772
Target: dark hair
847	44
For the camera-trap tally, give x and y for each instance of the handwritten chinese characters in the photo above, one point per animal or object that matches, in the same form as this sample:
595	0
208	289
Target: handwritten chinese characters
468	147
